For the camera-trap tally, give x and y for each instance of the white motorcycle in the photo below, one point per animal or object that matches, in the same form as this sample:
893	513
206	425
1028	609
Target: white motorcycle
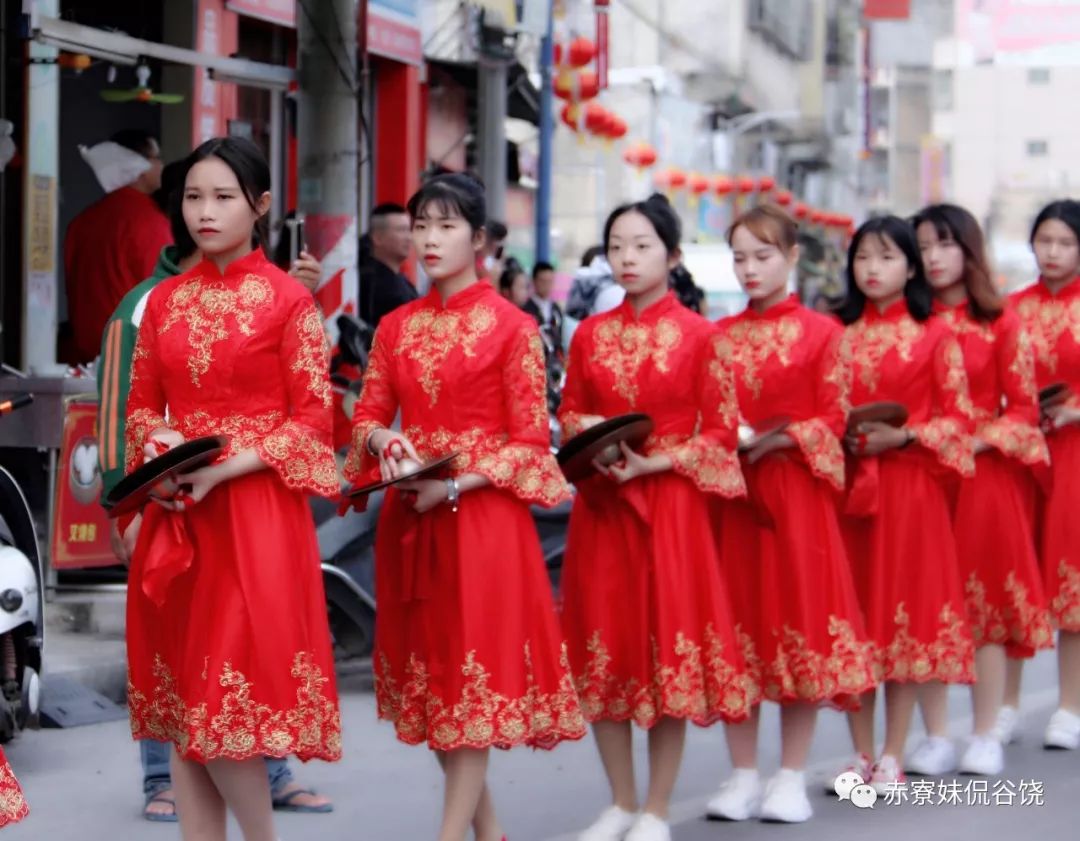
21	604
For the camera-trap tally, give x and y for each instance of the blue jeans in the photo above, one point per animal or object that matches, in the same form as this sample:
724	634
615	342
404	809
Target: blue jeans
156	777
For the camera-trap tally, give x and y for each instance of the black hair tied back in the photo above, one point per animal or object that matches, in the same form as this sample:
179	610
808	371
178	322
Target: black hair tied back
661	215
452	194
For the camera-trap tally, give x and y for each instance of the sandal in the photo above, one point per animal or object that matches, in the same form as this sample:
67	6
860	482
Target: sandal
161	796
284	803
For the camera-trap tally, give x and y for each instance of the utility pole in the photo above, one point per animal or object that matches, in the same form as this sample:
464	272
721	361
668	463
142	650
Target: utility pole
327	139
547	129
495	53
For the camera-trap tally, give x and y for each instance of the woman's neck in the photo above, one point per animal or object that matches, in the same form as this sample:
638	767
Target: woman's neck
642	301
1055	286
761	305
952	296
223	259
448	287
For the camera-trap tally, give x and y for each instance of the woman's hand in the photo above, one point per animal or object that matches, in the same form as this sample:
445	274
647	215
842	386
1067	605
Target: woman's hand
874	437
633	465
1061	415
160	442
769	444
392	448
424	494
307	270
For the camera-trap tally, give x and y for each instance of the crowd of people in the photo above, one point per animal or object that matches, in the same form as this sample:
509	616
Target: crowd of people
828	503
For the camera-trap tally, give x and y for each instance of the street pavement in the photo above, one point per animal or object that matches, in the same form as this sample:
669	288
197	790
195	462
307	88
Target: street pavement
84	784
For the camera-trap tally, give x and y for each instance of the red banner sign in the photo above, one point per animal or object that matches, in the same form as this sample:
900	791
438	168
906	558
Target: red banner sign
80	534
213	103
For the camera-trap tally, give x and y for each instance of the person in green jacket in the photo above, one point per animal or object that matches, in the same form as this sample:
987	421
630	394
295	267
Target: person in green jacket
113	383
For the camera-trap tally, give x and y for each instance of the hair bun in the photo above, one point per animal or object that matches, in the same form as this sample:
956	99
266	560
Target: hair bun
658	199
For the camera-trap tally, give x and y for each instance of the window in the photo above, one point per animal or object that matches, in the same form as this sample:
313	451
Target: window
1038	75
1037	148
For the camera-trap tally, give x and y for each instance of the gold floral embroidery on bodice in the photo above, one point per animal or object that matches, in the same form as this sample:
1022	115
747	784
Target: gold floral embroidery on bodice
623	347
428	336
204	305
961	325
868	342
1046	321
753	342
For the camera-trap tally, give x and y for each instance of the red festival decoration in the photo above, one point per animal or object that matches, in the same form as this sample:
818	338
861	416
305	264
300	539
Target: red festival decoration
670	179
582	51
766	183
784	198
617	127
746	184
570	115
722	185
641	155
801	210
817	217
699	184
577	87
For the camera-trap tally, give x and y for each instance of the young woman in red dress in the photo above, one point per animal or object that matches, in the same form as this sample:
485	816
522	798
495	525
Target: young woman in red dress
468	651
783	554
644	606
1050	311
13	806
229	652
995	509
898	527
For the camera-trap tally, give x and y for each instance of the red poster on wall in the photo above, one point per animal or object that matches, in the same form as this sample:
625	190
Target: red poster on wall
213	103
80	532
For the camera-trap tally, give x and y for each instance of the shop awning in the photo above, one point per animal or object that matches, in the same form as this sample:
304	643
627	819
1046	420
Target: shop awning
123	49
523	99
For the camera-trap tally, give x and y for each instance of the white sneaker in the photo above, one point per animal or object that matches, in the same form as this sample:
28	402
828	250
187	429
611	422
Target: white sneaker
648	827
738	799
612	825
860	764
1008	722
984	756
886	775
1063	731
934	757
785	798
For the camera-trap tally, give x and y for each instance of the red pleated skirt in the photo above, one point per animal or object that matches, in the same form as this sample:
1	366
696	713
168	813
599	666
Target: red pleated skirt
791	588
468	650
1061	530
645	608
999	567
235	662
13	806
907	574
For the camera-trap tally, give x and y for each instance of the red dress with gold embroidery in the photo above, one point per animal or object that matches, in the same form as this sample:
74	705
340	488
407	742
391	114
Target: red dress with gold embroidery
783	553
898	529
228	646
995	509
468	652
13	806
1053	322
645	608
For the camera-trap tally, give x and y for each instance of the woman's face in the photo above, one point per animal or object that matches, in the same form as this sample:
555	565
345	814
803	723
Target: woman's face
761	267
942	256
518	292
216	210
444	242
639	260
881	269
1057	251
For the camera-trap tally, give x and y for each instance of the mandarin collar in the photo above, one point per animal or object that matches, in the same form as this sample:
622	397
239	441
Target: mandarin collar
894	312
1067	291
787	306
468	296
253	263
652	313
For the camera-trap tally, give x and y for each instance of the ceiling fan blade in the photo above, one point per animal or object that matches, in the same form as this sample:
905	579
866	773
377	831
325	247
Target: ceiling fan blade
167	98
114	95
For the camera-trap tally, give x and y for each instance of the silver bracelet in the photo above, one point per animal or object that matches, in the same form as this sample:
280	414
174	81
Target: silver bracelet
453	494
367	444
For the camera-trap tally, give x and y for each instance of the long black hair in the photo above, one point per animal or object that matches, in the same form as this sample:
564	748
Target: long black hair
453	193
171	193
953	222
252	171
661	215
1064	210
917	291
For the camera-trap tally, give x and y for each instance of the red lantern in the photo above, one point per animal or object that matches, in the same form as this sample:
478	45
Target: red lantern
576	87
801	210
766	183
699	184
722	185
617	128
783	198
746	184
640	154
817	217
671	178
588	85
582	51
596	118
557	54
